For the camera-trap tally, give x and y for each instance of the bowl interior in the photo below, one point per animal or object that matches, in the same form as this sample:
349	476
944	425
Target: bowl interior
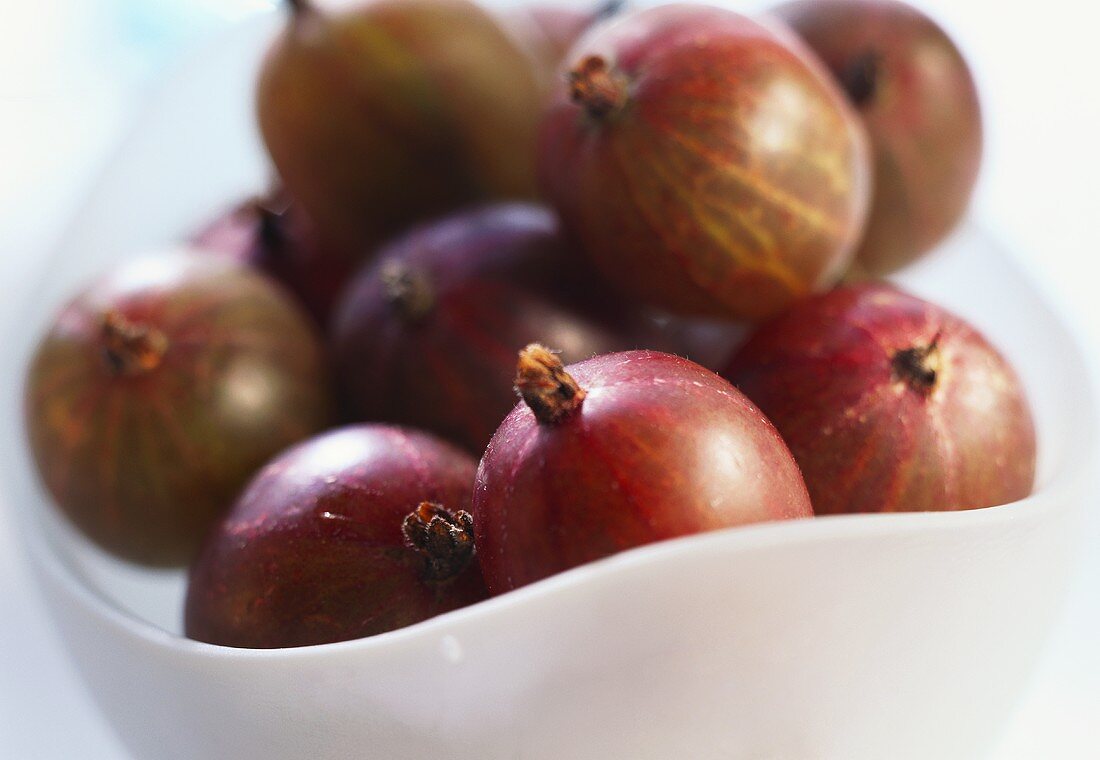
196	150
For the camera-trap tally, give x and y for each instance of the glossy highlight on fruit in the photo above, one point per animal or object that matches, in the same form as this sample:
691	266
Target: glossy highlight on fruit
708	165
427	335
919	103
891	404
392	111
619	451
360	531
158	391
273	234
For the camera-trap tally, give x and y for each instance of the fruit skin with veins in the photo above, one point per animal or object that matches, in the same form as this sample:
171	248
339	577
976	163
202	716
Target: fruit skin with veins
707	164
619	451
890	403
158	391
427	334
356	532
920	105
392	111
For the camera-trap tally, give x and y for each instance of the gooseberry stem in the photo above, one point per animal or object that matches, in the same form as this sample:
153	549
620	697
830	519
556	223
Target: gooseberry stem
130	348
919	366
860	78
271	226
407	291
597	87
544	385
445	539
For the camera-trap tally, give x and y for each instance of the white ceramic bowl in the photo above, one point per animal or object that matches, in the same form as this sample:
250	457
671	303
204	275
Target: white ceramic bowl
877	636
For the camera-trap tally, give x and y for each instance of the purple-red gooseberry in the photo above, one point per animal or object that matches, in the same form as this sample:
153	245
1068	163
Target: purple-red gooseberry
427	334
917	98
385	113
708	165
619	451
273	234
890	403
357	532
157	393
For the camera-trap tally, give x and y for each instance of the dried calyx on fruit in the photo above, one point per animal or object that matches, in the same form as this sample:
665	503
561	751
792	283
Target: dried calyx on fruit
676	153
408	291
130	348
445	540
158	391
917	98
890	403
597	88
426	335
393	111
620	451
545	386
918	366
322	545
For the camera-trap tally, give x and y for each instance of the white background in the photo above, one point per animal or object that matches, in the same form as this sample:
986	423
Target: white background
72	72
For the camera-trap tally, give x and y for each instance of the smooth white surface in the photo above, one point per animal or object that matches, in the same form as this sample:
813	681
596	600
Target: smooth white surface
1036	69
